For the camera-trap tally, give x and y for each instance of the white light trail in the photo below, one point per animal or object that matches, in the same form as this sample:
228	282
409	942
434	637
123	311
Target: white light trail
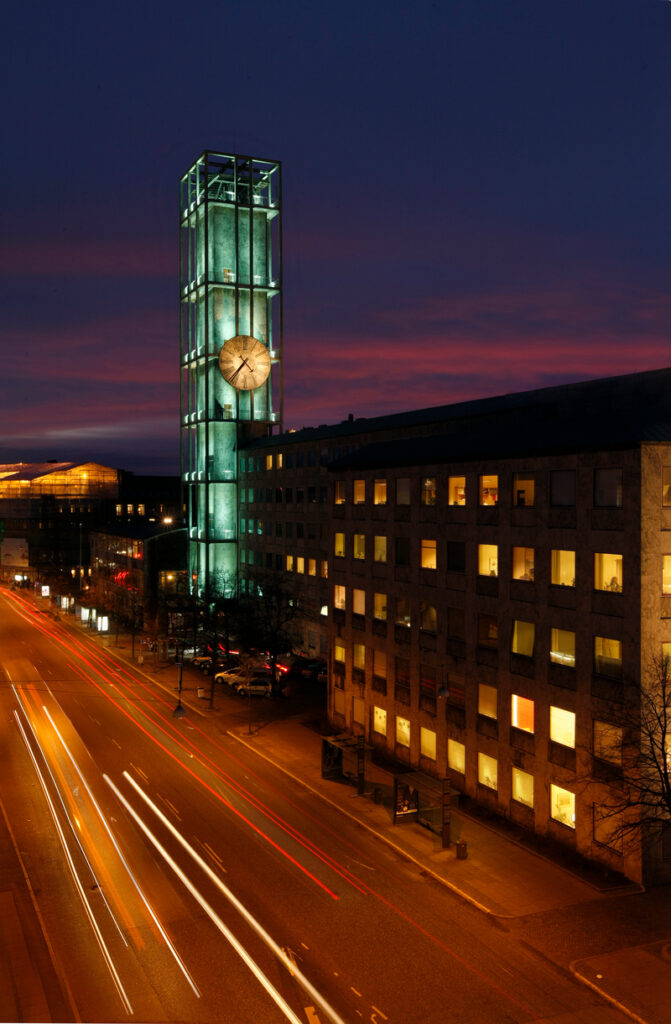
211	913
242	910
141	894
94	924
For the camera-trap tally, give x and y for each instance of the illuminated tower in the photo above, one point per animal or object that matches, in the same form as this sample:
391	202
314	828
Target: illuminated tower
230	345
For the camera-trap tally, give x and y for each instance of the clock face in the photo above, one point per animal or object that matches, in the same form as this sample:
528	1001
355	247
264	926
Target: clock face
244	362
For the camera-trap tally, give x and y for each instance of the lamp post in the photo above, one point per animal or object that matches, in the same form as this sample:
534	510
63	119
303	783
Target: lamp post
179	711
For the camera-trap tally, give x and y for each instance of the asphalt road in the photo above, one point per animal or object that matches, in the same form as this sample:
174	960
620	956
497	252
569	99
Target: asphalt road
172	876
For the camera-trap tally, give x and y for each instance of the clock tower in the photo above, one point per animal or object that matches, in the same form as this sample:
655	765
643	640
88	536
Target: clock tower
230	346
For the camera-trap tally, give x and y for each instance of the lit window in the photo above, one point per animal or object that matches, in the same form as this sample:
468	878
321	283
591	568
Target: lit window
359	601
487	700
608	488
403	491
141	511
339	492
562	726
380	549
402	731
290	563
300	564
456	756
666	574
269	462
312	566
562	488
562	805
523	638
608	657
562	647
359	546
489	490
523	564
524	489
427	743
359	710
562	569
339	596
402	611
129	509
608	572
339	650
456	490
666	487
523	787
380	607
429	490
119	510
522	713
379	721
428	618
429	554
339	545
607	742
280	460
380	492
359	656
359	494
487	771
488	559
324	569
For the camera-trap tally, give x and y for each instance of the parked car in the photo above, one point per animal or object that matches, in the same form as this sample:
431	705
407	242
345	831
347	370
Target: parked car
311	669
230	677
258	686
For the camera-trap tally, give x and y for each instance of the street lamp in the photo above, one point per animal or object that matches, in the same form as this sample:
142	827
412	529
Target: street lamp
179	711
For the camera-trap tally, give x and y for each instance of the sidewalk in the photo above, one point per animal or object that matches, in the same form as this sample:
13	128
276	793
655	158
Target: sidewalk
499	876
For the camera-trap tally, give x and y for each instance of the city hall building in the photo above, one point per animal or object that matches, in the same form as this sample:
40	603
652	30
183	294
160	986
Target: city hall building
489	582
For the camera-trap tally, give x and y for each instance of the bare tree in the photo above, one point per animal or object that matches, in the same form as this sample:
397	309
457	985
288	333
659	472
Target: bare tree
636	752
266	619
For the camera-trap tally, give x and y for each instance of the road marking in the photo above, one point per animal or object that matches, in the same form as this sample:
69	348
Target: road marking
311	1015
211	853
375	1013
143	776
352	989
115	742
170	806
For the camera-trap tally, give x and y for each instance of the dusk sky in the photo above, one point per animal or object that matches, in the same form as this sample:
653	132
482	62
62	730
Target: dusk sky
476	200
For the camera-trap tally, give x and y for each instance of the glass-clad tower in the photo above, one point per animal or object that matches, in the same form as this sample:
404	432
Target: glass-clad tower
230	295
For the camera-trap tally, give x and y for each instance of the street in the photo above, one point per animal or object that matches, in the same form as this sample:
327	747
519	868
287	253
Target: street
175	876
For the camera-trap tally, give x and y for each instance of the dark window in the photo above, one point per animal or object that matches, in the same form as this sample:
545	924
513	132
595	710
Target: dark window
562	488
402	550
608	488
456	623
488	631
456	555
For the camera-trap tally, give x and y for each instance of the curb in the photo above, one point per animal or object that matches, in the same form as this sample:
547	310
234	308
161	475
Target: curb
604	995
379	835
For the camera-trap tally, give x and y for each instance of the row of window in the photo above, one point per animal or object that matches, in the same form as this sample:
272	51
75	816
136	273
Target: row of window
607	489
299	459
288	529
283	495
607	651
607	746
607	565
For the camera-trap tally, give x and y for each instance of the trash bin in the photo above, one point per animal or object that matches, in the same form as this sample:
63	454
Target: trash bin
201	693
462	851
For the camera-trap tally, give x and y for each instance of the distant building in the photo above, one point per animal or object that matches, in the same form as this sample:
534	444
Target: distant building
489	582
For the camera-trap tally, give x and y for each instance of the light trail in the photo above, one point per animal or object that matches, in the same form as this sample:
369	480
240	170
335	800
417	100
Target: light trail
150	910
240	907
78	885
211	913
